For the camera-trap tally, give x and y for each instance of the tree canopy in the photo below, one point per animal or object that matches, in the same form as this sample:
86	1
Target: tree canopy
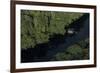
78	51
38	26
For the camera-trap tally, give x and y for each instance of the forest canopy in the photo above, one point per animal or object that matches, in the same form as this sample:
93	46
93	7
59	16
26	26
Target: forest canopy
38	26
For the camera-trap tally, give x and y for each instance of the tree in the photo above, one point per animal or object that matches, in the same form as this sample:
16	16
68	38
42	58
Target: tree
73	52
78	51
38	26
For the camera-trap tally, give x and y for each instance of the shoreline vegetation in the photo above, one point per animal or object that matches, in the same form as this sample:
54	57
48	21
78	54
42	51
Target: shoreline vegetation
42	31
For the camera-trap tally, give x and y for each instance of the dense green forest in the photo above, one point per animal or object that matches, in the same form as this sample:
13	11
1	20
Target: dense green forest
38	26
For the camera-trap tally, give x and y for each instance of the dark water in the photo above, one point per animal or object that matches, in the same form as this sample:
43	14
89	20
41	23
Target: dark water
57	43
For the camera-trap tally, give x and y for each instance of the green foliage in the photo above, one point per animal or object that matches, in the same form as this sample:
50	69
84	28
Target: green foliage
78	51
62	56
84	43
73	52
37	26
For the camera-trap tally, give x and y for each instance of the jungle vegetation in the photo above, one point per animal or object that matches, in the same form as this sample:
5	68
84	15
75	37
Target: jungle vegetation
78	51
37	27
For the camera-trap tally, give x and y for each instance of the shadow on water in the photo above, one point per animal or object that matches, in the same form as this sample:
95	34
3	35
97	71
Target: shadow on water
34	54
57	43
